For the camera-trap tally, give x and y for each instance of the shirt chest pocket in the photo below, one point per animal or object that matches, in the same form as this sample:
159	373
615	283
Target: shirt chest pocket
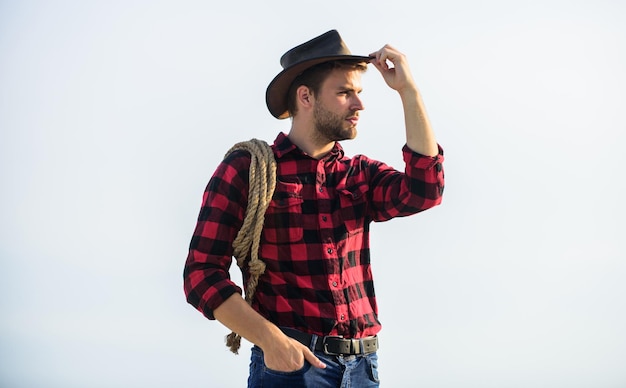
354	207
283	218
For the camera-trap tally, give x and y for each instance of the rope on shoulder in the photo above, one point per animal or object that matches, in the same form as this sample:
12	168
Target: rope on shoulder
262	182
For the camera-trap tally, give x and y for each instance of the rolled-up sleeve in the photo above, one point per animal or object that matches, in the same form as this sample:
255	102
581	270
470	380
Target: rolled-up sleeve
397	194
207	282
426	175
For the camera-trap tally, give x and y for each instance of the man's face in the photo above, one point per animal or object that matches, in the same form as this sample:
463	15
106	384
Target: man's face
337	106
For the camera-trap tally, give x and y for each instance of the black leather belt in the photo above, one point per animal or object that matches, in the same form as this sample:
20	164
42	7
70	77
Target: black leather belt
336	346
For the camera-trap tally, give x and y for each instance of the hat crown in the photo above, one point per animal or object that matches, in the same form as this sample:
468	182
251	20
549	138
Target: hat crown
328	44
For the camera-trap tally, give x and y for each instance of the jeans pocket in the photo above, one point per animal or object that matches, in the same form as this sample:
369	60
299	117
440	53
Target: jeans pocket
298	372
262	376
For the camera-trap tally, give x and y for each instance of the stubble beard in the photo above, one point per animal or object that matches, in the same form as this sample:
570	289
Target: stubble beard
330	126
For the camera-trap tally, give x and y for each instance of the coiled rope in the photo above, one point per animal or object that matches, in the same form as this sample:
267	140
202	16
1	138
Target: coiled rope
262	182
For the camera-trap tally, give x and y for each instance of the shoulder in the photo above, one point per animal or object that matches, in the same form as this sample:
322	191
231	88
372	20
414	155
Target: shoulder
237	158
233	169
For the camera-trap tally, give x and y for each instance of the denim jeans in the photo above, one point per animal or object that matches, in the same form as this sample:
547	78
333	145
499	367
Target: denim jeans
340	372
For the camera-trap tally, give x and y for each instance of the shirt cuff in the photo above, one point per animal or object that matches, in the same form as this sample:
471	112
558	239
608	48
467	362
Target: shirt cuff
418	160
218	298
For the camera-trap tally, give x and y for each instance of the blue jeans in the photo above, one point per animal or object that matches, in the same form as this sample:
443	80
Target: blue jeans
340	372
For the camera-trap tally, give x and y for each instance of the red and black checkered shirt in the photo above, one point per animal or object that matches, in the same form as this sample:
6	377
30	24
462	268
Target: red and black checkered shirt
315	241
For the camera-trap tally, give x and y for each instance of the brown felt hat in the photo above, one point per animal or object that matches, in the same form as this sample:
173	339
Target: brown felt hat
326	47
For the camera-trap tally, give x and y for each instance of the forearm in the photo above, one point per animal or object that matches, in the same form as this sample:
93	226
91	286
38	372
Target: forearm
419	133
239	317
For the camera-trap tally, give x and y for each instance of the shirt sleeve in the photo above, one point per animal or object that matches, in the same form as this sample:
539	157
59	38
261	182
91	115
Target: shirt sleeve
397	194
207	282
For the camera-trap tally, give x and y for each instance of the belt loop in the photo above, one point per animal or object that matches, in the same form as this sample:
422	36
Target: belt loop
313	343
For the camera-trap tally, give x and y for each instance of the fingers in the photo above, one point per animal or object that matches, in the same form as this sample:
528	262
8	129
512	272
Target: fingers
284	362
381	56
291	358
393	66
379	61
312	359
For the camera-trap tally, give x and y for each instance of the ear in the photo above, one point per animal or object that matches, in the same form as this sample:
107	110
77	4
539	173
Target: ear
304	97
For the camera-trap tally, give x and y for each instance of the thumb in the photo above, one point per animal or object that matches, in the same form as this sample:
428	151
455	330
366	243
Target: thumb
312	359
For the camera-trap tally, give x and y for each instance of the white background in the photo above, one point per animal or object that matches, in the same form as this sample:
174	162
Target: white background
114	114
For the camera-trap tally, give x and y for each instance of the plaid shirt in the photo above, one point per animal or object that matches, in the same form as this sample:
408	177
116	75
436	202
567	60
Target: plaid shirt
315	241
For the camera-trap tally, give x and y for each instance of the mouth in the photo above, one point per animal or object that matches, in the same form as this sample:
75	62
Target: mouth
353	120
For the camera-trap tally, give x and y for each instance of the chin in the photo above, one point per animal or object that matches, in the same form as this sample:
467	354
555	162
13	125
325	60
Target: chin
351	133
346	135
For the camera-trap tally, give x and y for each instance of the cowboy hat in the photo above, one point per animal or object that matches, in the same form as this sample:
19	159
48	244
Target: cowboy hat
326	47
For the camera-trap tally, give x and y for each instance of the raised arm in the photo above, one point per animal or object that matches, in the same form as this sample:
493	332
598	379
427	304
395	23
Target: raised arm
419	134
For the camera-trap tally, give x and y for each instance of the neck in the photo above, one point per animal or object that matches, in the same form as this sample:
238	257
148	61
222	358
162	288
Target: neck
304	137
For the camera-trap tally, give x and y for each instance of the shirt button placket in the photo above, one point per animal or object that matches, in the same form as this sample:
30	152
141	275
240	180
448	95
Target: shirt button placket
329	247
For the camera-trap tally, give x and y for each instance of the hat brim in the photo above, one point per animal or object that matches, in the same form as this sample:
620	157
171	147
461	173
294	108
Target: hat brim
276	94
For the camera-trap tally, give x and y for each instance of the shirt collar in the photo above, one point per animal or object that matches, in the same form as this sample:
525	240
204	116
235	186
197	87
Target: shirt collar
283	146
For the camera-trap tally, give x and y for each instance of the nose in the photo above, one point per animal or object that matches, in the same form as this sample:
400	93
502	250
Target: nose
357	103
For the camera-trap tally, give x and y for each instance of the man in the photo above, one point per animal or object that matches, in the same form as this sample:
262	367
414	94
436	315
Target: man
313	319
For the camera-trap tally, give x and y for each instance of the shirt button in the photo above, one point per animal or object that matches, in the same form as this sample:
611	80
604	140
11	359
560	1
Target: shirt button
329	250
324	218
342	317
321	189
334	284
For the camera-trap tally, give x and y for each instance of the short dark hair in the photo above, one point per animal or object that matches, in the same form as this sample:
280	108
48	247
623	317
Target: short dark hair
313	78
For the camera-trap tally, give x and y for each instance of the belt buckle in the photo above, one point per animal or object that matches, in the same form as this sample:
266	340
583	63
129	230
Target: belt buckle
325	345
